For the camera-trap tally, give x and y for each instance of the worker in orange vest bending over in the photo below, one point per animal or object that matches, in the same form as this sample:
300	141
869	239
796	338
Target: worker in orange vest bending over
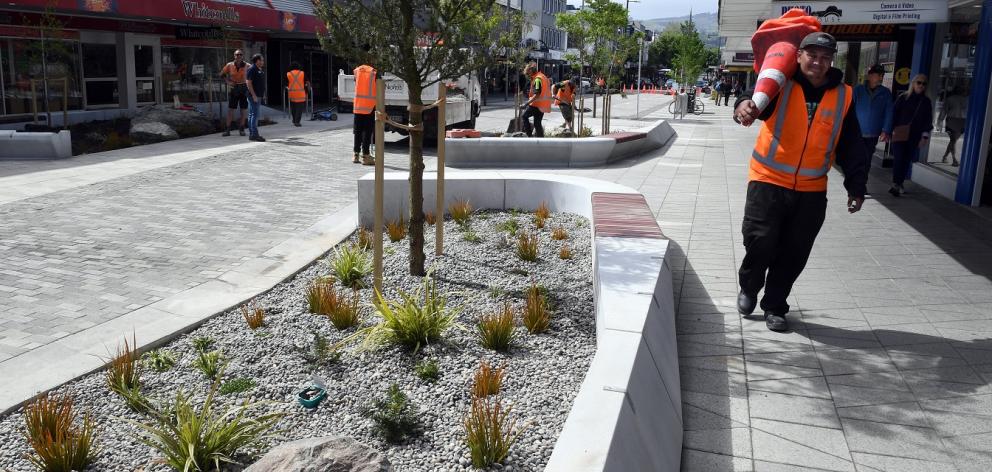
297	91
806	127
565	99
364	107
539	102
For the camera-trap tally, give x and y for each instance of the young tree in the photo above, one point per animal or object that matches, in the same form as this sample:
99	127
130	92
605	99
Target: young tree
689	53
422	42
50	56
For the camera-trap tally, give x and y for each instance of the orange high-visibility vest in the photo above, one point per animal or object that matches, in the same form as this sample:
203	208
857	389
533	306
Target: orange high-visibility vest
364	90
543	102
565	94
297	93
791	156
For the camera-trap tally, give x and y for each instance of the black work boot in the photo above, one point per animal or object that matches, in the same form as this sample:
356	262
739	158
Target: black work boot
746	303
776	322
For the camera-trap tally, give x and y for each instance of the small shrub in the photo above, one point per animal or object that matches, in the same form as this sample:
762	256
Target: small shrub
471	237
210	363
536	316
201	439
59	445
345	314
254	315
350	265
321	352
430	218
395	416
461	212
585	132
428	370
202	343
489	432
496	330
159	360
527	247
417	319
124	376
565	252
559	234
539	222
510	226
488	380
238	385
396	230
365	241
542	211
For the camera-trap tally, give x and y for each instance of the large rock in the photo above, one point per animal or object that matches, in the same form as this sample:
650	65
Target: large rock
152	132
185	122
324	454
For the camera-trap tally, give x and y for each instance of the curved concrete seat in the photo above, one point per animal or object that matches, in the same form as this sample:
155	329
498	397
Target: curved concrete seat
627	414
20	145
556	152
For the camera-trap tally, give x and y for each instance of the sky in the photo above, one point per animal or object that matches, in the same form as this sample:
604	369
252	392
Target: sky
648	9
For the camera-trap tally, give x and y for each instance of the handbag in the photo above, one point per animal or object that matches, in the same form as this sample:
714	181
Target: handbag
900	134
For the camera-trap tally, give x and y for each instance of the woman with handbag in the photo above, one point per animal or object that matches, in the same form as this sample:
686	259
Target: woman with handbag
912	122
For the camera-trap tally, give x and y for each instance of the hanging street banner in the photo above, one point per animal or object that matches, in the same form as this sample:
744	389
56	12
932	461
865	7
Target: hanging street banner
854	12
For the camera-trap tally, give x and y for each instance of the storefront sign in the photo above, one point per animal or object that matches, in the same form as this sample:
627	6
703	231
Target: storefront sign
98	6
197	69
203	11
743	57
852	12
197	32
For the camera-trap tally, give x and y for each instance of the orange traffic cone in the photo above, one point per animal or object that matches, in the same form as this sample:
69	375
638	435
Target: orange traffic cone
775	44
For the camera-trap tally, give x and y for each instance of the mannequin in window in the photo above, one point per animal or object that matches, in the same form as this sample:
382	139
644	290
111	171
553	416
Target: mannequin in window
953	115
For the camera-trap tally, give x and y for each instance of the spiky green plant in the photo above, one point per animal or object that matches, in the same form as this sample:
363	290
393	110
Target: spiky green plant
350	265
417	319
490	432
428	370
471	236
510	226
321	353
159	360
202	343
210	363
124	375
59	445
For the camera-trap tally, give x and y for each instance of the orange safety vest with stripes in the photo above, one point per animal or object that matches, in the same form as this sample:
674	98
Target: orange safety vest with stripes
791	156
297	92
364	90
543	102
566	93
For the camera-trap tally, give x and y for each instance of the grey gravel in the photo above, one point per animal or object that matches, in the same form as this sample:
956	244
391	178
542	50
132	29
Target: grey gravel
543	371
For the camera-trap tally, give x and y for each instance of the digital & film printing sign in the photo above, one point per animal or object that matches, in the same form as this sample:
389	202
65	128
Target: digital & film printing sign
861	12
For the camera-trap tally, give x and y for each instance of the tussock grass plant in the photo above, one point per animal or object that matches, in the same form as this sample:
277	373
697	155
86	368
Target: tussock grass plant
430	218
460	211
527	247
59	444
416	320
210	363
496	331
490	432
159	360
395	416
200	438
471	236
238	385
539	222
202	343
510	226
254	315
542	211
365	241
396	230
124	375
350	265
559	234
325	300
428	370
488	380
536	315
565	252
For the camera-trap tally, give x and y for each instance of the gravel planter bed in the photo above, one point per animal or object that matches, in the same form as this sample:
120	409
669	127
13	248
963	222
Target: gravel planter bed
543	371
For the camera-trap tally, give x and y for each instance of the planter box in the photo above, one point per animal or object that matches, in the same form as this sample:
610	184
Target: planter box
20	145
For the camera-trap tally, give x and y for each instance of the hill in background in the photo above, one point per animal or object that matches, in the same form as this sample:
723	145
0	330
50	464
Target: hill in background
706	24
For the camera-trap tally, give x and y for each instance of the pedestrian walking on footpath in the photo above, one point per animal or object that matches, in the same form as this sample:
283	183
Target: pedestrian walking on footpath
726	89
873	104
256	93
912	122
564	93
237	96
539	101
787	189
296	88
364	110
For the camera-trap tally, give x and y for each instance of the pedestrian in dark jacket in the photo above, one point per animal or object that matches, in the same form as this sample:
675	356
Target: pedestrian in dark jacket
912	122
873	103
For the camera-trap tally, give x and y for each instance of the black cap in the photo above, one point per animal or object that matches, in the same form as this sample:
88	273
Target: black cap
876	69
820	39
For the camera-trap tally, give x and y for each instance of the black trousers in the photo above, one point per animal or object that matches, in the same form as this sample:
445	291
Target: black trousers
364	127
726	99
780	226
538	115
296	109
871	143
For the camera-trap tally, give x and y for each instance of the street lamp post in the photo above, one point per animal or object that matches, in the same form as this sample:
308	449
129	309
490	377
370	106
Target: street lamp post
640	54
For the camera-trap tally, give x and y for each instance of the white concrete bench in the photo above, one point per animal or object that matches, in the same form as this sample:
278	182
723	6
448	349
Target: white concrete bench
555	152
21	145
627	415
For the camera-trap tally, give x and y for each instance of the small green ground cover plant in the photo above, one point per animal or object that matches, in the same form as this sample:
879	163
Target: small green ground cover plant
159	360
203	343
394	416
428	370
238	385
350	265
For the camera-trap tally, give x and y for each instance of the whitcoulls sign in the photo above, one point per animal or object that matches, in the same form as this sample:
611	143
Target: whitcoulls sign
860	12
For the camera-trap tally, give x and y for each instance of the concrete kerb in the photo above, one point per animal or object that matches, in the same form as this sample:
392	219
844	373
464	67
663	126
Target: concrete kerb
627	414
79	354
553	152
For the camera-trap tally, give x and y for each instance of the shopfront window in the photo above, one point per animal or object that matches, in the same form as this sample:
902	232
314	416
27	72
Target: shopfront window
192	74
100	75
950	84
24	67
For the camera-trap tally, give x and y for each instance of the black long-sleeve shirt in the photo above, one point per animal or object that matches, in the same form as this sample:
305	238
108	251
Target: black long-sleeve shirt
852	154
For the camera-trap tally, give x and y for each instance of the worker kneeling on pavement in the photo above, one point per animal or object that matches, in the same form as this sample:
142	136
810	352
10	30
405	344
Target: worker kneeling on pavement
539	101
787	189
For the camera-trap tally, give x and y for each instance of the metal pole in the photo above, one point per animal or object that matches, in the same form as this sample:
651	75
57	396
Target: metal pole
640	53
380	131
439	211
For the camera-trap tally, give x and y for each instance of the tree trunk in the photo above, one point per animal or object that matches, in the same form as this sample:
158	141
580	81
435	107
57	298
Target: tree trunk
417	256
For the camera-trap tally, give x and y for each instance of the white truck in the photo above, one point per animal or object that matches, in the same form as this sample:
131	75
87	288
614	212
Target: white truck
461	107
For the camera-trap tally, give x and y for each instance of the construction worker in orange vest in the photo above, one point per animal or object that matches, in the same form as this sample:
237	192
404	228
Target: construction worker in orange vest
364	107
807	127
539	101
297	91
564	92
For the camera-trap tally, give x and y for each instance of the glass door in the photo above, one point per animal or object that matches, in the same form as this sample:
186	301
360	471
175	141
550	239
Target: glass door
144	73
100	85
